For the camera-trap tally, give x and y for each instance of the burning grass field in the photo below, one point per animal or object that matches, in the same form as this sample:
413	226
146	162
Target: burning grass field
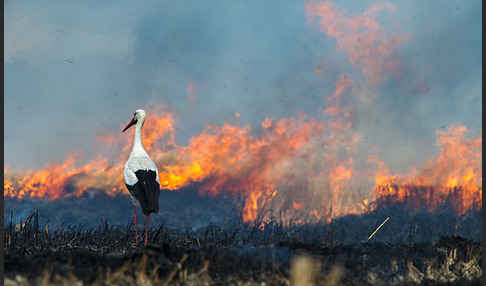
294	200
280	208
413	247
340	147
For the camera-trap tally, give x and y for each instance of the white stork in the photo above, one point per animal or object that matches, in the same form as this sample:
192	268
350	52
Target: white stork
141	175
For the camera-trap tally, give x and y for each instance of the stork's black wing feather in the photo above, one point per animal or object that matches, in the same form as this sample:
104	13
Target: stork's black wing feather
146	191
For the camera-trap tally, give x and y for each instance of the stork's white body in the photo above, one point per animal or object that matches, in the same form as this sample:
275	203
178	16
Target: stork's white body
138	159
135	163
141	175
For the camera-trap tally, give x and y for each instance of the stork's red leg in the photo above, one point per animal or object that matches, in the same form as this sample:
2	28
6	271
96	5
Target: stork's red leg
136	225
147	222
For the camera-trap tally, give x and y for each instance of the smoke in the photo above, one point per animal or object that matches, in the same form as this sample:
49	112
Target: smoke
257	59
282	102
361	38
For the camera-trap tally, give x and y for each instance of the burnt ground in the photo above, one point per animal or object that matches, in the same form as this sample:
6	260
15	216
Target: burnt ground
236	255
197	240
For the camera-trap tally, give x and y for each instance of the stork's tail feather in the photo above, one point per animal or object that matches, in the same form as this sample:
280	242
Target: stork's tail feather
148	191
151	204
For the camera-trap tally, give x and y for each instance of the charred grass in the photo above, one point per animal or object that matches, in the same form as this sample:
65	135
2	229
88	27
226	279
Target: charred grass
237	255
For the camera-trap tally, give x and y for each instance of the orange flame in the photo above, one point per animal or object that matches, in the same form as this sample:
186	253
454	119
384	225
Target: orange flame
299	169
67	179
296	169
454	175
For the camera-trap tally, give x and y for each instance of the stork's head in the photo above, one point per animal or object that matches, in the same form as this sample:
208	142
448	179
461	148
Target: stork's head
138	116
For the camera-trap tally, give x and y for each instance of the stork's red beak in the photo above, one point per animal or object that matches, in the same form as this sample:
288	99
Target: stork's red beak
130	124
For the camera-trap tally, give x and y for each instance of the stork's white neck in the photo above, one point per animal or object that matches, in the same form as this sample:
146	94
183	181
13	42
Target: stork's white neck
137	139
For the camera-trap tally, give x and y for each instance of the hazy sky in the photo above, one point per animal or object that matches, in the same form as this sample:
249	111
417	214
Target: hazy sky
77	69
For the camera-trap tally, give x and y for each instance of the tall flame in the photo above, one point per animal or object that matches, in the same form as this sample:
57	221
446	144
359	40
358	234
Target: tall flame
298	170
453	176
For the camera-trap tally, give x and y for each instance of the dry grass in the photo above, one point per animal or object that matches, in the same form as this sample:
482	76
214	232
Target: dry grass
305	271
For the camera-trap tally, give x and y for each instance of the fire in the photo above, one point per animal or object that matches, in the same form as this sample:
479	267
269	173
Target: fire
255	201
297	206
299	169
8	188
51	182
453	176
73	178
222	159
229	159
